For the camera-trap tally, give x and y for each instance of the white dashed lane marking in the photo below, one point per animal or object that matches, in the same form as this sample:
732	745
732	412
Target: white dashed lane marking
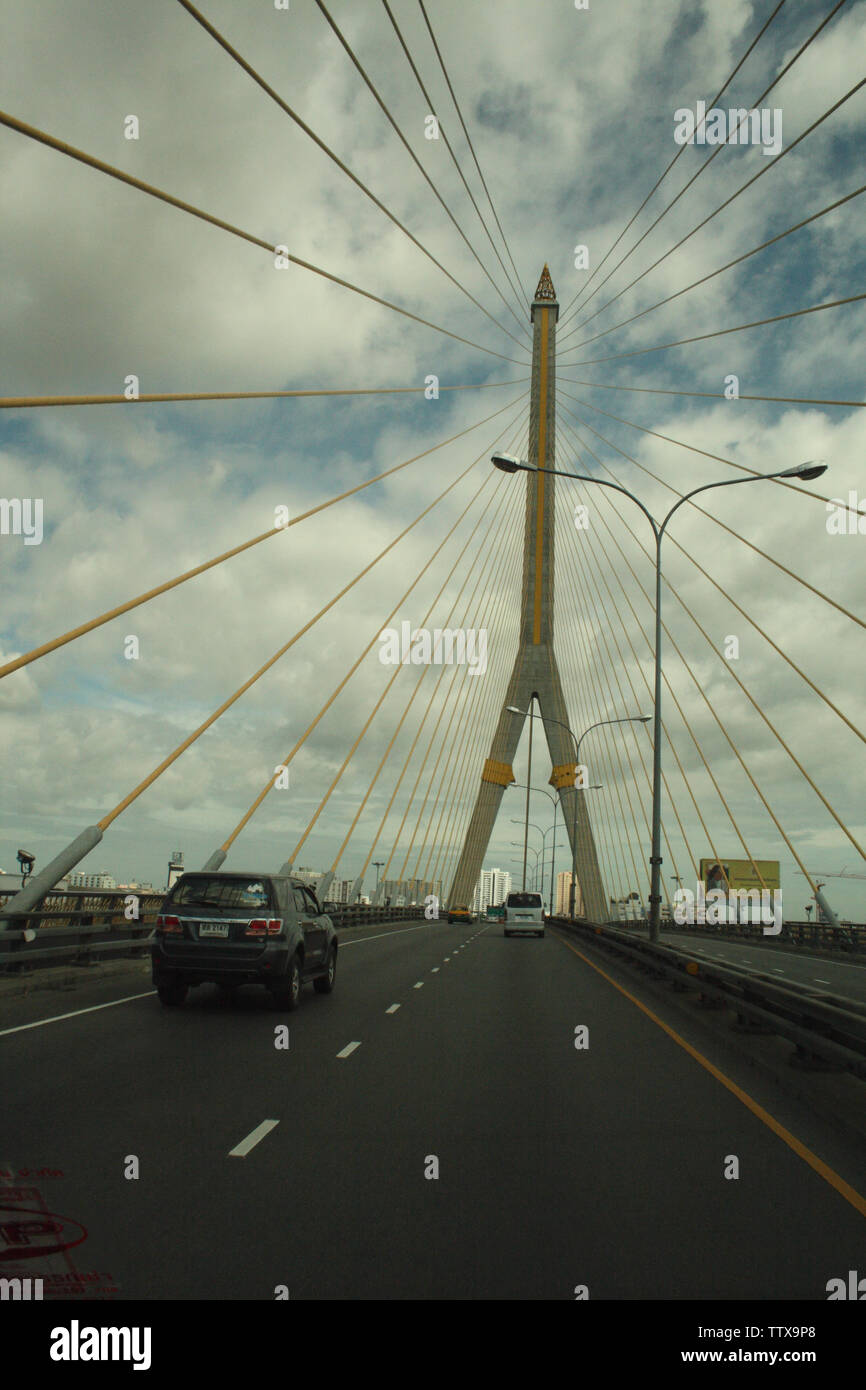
419	985
243	1148
348	1049
393	1009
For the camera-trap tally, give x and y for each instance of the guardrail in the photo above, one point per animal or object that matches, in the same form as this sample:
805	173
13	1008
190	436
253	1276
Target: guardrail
81	928
849	937
362	915
826	1029
78	927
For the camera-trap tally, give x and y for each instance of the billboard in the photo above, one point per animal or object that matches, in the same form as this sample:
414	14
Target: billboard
740	873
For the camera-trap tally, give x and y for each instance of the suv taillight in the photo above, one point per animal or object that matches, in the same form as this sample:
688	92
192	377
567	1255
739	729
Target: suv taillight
262	927
169	926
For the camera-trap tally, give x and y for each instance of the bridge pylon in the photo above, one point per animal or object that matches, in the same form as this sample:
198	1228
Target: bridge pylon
536	673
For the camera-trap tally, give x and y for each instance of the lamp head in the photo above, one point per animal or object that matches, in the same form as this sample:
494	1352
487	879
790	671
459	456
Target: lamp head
805	471
507	463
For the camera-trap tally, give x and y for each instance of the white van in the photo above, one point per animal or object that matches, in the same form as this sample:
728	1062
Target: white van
524	912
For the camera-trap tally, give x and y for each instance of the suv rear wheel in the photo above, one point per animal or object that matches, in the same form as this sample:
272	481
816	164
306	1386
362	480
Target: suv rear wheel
325	983
287	993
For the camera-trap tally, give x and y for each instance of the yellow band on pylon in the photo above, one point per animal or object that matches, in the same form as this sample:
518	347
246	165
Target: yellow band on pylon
501	774
563	776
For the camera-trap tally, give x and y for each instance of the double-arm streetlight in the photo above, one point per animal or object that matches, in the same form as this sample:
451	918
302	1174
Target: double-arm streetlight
527	849
629	719
544	834
806	472
555	801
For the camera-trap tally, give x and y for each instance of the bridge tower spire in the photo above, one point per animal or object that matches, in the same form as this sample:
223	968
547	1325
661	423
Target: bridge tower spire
535	674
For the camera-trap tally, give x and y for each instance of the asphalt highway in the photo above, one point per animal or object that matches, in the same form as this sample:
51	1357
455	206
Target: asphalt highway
788	966
443	1049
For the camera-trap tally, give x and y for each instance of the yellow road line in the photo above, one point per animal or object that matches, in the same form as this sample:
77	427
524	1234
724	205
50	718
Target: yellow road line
822	1169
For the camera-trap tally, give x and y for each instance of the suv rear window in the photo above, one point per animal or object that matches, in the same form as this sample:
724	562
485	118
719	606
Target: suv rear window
221	890
524	900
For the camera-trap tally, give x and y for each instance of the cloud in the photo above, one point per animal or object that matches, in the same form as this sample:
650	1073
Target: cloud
571	115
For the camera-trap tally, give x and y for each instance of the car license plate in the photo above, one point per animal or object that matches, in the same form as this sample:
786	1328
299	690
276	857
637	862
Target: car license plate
213	929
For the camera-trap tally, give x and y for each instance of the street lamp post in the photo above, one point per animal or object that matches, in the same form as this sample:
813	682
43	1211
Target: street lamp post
805	471
628	719
555	801
544	834
527	849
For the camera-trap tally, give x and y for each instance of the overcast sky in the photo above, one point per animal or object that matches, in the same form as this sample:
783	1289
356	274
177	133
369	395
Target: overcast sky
572	115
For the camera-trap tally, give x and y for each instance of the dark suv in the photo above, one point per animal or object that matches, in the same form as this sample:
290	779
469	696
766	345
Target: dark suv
242	929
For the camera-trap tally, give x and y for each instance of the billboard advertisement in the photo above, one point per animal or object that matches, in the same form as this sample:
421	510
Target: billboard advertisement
740	873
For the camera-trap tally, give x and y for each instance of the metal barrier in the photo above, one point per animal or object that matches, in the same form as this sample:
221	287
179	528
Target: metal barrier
825	1028
81	928
819	936
363	914
78	927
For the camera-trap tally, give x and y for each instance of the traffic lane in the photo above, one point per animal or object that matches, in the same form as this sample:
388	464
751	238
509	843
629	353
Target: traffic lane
558	1167
167	1084
31	998
842	977
91	1055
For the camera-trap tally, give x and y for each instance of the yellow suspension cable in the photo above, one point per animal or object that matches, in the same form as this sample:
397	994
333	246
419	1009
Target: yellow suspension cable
93	623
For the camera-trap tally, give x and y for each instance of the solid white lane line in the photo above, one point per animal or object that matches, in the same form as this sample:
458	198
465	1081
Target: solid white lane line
378	937
348	1049
242	1149
19	1028
393	1009
820	981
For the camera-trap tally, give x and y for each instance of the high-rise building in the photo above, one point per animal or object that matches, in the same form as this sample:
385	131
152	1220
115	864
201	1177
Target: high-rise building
492	889
563	896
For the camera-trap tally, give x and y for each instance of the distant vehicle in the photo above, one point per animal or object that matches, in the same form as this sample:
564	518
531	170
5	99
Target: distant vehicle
460	914
242	928
495	912
524	912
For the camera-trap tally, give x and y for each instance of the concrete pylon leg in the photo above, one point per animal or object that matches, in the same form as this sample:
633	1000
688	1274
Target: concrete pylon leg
495	778
573	804
535	673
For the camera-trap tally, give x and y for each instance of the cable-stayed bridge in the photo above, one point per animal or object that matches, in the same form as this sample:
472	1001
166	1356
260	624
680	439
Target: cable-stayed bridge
488	640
